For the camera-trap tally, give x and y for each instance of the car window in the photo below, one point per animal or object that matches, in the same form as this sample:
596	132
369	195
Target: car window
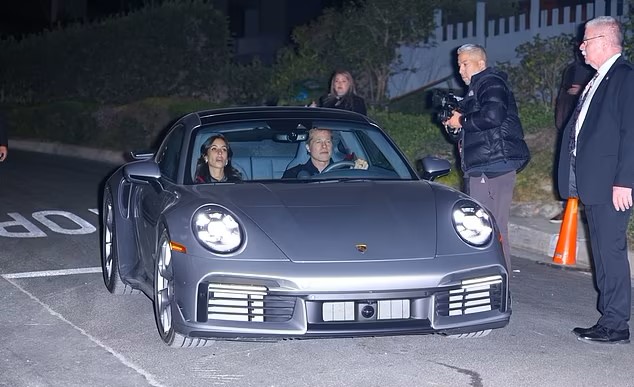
169	153
265	150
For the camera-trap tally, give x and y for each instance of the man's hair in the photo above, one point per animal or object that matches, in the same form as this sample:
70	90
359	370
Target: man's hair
610	27
311	133
473	49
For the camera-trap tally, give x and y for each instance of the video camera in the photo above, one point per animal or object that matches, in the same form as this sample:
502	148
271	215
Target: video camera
445	102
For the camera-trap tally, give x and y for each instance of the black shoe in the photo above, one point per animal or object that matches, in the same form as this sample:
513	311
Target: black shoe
557	218
584	331
605	335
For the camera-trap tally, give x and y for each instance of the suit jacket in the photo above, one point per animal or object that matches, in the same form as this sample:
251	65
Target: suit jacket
605	154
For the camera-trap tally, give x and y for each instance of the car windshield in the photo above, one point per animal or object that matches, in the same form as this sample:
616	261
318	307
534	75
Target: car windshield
265	150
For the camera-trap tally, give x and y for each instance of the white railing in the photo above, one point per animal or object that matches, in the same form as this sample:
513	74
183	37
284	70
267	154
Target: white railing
436	59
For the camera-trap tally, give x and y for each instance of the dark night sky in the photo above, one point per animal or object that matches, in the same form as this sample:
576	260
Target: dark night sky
21	17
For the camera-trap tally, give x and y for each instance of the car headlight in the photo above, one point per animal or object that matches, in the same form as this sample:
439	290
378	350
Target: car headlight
472	223
217	230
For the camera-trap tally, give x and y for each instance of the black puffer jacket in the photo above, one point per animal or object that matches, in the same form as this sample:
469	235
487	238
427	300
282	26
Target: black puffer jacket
492	140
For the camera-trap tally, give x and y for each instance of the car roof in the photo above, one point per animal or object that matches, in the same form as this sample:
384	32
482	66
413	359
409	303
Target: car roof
285	112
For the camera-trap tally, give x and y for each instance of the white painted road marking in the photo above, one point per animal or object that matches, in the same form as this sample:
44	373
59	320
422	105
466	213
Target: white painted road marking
53	273
8	228
44	218
152	381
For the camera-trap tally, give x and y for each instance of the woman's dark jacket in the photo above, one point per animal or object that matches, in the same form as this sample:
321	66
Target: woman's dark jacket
203	176
492	139
348	101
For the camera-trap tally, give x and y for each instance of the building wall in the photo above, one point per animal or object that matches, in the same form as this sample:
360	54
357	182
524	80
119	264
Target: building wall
433	63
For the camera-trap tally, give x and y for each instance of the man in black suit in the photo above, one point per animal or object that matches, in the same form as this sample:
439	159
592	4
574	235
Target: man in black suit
596	165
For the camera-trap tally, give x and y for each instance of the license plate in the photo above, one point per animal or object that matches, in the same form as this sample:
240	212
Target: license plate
364	311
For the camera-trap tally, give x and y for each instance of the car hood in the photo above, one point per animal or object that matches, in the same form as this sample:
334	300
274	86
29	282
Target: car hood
339	221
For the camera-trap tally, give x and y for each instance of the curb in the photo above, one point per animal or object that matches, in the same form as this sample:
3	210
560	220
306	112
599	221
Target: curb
538	237
95	154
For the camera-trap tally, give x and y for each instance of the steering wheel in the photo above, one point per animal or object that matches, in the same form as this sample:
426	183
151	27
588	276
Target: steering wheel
339	165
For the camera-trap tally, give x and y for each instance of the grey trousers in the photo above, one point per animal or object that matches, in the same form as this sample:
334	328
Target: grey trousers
496	194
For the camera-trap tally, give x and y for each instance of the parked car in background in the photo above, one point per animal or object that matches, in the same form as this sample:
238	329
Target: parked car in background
346	252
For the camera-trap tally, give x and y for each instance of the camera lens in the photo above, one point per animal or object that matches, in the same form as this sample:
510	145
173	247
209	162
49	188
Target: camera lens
367	311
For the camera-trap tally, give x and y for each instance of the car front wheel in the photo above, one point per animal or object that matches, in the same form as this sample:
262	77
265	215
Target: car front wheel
164	300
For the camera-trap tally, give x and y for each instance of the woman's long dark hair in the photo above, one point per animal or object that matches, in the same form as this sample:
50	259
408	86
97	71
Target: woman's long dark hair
202	168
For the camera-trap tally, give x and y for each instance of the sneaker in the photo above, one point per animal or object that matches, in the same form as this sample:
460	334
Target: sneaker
557	218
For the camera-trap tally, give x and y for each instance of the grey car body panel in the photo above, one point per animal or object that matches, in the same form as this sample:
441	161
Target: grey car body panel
324	222
302	241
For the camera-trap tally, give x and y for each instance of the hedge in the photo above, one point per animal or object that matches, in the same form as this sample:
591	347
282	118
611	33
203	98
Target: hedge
175	49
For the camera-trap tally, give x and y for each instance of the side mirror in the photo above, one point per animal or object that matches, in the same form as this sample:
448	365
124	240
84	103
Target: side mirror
142	172
431	167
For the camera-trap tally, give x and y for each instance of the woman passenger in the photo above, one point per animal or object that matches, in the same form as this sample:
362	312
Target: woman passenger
214	165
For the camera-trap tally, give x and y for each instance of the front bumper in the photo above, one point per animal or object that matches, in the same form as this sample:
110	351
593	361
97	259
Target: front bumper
244	306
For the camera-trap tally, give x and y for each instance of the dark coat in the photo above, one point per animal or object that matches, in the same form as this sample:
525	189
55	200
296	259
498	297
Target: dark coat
302	170
232	175
350	101
576	73
492	138
604	144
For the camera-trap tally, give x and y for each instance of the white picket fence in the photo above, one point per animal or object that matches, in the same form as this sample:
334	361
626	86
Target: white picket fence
435	60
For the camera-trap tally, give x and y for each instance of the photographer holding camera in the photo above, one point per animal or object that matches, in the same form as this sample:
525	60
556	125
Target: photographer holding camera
489	135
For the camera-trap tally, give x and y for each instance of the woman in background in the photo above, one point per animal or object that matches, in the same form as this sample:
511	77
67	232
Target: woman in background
342	94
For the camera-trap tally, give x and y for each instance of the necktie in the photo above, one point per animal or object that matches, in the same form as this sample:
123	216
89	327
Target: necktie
575	115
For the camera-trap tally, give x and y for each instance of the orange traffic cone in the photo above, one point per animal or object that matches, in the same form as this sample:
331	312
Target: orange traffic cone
566	250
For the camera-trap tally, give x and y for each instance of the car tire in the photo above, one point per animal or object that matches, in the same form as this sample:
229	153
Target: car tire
470	335
164	299
109	256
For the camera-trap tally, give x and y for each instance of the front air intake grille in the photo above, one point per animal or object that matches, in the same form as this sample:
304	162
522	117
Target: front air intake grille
247	303
475	295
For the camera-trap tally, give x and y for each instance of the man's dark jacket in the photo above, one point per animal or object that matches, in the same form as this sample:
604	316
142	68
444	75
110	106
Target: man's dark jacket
604	145
577	73
492	140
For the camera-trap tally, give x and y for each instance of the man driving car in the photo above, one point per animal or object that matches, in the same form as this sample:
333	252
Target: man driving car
319	147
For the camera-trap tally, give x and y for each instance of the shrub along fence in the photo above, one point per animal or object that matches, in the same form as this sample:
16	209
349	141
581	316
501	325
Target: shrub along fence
175	49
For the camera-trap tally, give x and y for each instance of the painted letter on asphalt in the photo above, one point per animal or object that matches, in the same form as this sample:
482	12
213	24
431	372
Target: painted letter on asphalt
20	221
84	227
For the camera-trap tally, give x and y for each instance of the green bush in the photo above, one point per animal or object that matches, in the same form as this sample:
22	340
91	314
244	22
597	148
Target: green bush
67	122
418	136
536	118
118	127
174	49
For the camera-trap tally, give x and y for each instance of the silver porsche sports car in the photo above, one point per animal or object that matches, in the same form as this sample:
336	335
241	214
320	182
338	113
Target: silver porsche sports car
293	222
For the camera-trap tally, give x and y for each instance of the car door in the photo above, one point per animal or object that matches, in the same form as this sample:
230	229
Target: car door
152	199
